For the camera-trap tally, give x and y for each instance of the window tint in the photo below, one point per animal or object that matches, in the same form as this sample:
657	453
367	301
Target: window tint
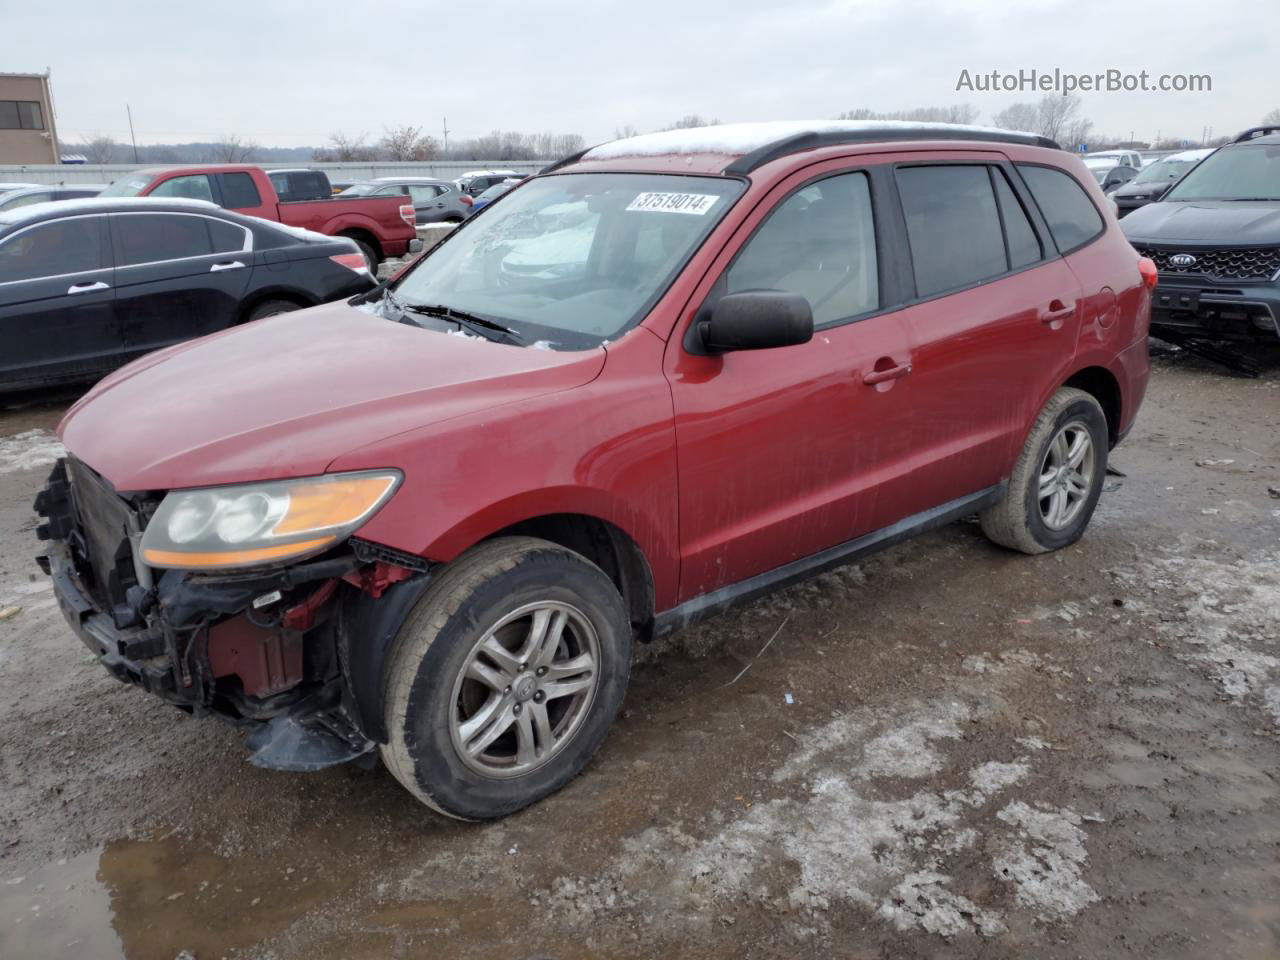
52	249
226	237
952	226
152	237
239	190
195	187
820	243
1073	220
1024	246
294	185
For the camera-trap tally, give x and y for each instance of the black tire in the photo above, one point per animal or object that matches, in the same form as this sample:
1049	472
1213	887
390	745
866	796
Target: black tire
1019	520
426	670
269	308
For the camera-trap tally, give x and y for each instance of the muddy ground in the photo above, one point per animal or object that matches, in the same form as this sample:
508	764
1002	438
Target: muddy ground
947	751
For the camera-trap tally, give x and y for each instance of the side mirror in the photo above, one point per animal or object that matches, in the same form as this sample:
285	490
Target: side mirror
756	320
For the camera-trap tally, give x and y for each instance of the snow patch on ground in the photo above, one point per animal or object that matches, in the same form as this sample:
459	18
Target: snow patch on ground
840	816
29	450
1225	615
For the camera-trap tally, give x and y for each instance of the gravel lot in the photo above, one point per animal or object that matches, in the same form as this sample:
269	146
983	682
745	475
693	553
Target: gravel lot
946	751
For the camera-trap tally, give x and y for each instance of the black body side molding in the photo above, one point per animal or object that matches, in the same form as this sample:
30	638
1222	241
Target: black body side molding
717	601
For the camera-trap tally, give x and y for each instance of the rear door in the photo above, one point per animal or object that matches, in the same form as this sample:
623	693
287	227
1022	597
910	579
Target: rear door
57	305
993	324
178	276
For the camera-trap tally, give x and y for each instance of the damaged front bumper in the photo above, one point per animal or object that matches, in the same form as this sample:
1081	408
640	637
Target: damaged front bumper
270	651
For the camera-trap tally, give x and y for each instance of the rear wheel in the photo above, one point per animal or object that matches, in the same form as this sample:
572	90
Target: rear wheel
505	679
1056	483
269	308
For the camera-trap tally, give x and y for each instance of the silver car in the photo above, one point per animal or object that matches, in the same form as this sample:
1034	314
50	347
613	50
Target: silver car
434	201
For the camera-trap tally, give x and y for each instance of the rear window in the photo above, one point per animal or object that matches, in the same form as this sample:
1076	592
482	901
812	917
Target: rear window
154	237
1073	219
952	225
239	191
226	237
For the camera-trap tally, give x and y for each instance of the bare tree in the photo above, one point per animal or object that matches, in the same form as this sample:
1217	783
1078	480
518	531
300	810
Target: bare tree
1272	118
954	113
232	148
1076	132
622	133
1054	114
99	149
343	148
408	143
689	121
1017	116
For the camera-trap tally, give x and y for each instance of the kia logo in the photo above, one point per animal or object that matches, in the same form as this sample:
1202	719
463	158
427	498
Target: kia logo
1182	260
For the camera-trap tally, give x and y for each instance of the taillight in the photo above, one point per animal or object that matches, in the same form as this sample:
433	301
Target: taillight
352	261
1150	275
408	215
466	199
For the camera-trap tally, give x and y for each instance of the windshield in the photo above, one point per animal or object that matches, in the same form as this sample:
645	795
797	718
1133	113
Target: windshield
129	186
572	260
1234	173
1100	173
1164	170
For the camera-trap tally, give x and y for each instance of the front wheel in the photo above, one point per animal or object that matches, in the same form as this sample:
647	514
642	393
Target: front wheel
1057	480
505	678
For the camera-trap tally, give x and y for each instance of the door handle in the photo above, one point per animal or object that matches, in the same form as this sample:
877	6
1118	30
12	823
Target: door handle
228	265
88	287
872	377
1057	311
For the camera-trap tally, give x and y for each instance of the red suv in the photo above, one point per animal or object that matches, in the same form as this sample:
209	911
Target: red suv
663	376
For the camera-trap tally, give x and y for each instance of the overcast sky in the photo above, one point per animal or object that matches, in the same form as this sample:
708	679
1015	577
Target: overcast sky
290	72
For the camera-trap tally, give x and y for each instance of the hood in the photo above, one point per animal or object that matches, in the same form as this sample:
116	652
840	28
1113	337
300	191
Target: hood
1206	223
285	396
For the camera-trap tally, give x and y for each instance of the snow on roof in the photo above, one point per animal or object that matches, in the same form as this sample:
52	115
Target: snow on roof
740	138
105	204
1187	156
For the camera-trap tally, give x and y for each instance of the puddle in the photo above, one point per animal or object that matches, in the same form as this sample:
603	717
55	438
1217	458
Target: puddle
151	900
61	910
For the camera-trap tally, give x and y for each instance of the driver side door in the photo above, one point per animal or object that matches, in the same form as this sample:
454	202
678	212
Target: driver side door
785	452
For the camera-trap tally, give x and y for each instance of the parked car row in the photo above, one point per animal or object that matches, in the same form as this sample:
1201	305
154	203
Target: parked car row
25	196
440	514
88	285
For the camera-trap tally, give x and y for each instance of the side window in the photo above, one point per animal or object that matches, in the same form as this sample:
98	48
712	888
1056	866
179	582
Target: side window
393	190
195	187
1073	219
1024	245
423	193
153	237
26	200
820	242
952	226
53	249
226	237
239	191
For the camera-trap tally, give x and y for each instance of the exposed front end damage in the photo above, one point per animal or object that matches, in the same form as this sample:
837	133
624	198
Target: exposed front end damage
269	650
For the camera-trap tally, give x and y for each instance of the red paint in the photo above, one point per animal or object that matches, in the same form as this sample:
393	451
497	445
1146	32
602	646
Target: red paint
386	219
717	467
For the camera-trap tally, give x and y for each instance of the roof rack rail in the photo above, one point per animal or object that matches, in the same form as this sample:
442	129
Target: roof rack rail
808	141
1254	132
565	161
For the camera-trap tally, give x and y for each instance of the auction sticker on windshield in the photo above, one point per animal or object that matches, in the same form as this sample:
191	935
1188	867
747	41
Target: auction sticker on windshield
694	203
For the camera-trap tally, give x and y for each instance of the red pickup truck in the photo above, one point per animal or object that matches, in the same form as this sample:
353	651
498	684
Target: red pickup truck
382	226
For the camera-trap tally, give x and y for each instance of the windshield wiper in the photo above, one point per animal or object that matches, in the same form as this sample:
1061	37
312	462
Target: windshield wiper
463	319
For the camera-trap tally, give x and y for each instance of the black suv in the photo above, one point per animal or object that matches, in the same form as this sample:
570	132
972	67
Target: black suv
1215	238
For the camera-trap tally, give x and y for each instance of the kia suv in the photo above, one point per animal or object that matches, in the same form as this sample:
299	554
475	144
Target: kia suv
662	377
1215	239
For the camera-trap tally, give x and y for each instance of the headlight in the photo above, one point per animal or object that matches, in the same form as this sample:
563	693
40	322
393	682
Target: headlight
222	528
